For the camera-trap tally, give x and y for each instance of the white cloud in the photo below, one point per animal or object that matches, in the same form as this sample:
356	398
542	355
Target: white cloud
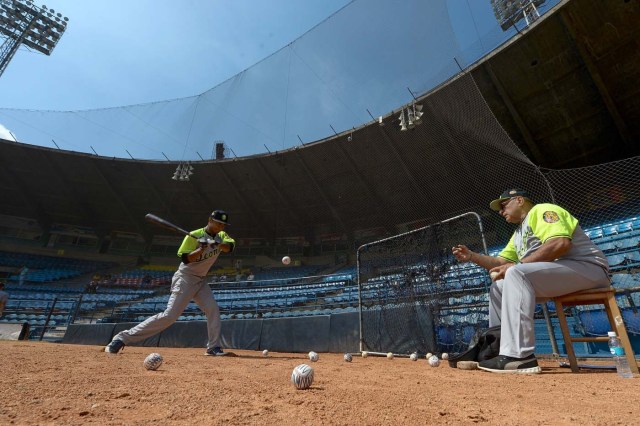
5	134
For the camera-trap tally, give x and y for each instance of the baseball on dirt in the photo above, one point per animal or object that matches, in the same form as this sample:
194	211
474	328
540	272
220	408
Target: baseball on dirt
365	354
494	275
445	355
313	356
434	361
153	361
302	376
428	355
348	357
265	353
413	356
286	260
390	355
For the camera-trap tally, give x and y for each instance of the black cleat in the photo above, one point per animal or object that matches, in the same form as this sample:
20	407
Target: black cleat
217	351
114	347
511	365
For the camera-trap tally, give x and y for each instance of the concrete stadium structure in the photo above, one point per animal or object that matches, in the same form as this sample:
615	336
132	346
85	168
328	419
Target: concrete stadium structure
565	90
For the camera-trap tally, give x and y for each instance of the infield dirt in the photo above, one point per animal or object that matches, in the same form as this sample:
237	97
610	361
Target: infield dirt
49	383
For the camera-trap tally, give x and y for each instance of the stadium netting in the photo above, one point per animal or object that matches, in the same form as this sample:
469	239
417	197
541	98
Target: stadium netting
415	297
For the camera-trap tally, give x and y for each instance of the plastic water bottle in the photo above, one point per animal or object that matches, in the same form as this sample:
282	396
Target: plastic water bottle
622	365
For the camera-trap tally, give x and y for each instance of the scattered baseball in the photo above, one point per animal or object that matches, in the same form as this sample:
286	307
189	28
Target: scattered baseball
413	356
313	356
434	361
152	361
365	354
265	353
348	357
286	260
445	355
390	355
428	355
302	376
494	275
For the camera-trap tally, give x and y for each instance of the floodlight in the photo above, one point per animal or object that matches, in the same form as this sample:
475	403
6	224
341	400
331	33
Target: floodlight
410	123
417	114
24	23
403	122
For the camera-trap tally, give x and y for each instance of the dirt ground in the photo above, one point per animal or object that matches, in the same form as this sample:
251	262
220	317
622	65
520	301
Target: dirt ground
50	383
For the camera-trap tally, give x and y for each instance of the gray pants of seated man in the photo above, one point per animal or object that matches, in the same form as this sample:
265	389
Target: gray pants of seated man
184	288
512	300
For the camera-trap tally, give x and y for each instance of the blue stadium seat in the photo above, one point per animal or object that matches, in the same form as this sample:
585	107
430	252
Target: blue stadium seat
620	281
631	320
595	322
627	244
594	233
626	226
616	259
608	247
633	257
609	230
445	335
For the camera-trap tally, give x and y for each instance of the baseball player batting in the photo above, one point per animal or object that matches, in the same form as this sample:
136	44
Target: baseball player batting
199	251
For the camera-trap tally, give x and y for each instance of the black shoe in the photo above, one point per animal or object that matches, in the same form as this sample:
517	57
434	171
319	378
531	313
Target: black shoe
217	351
511	365
115	346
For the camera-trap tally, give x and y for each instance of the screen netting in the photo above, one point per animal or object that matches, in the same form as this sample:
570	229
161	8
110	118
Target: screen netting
606	200
350	63
414	295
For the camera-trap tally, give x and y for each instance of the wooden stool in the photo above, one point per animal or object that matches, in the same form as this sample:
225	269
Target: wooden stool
599	296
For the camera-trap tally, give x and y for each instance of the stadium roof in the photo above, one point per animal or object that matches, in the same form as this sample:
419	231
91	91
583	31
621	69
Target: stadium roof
564	91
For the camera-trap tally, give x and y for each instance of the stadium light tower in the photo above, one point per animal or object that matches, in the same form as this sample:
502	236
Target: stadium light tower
509	12
22	22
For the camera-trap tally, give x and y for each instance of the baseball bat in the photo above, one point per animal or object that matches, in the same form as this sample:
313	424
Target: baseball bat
166	224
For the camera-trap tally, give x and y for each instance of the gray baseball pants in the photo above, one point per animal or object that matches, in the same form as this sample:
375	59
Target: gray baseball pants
184	288
512	300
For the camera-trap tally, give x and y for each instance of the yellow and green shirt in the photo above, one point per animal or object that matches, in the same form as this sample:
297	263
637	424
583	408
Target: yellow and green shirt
547	221
200	267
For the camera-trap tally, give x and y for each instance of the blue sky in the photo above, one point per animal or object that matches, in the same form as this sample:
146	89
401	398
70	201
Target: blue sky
120	53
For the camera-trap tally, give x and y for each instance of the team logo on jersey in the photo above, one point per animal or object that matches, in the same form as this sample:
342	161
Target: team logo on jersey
550	216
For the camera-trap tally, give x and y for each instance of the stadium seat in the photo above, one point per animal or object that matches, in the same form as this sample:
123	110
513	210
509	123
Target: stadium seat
632	320
594	233
606	297
610	230
620	281
594	322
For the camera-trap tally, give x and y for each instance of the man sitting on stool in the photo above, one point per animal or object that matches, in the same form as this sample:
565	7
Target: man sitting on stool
548	255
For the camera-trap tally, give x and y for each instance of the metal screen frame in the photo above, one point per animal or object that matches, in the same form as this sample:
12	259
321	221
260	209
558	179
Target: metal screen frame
402	235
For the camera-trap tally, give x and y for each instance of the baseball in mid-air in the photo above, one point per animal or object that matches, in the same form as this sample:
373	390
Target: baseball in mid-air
286	260
390	355
434	361
445	355
494	275
413	356
313	356
265	353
